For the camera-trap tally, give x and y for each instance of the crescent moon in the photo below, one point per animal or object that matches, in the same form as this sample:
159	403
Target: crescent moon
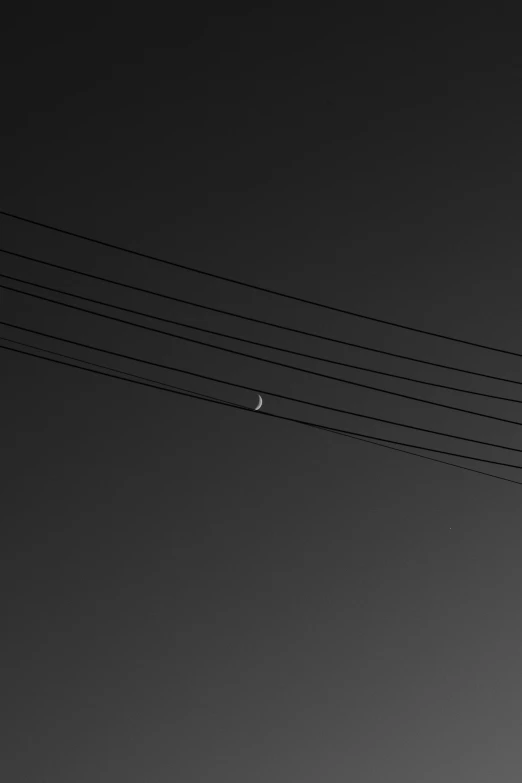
258	406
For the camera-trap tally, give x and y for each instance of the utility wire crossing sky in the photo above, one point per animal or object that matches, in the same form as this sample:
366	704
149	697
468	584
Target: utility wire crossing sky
262	289
301	354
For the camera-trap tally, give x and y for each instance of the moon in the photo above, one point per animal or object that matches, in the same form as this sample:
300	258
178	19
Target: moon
258	406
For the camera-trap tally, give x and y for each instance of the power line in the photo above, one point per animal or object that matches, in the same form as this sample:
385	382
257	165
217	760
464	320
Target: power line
293	330
347	433
265	392
259	288
105	367
259	344
197	395
194	341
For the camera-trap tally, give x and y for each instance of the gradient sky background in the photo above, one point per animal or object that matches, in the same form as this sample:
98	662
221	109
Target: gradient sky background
193	593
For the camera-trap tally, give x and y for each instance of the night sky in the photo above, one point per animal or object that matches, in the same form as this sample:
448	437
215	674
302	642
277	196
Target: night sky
197	593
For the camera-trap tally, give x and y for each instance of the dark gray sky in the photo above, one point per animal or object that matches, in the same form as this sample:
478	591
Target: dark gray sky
193	593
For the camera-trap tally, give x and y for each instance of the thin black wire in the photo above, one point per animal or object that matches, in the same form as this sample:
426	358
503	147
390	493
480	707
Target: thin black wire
315	373
197	395
266	392
293	330
259	288
105	367
373	440
257	343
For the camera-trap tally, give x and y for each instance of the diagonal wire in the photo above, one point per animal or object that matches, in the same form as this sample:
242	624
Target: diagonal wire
235	352
190	393
259	288
361	436
293	330
267	393
112	369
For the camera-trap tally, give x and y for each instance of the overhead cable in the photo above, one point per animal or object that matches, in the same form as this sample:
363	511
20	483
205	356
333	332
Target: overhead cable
261	289
193	394
290	329
266	392
235	352
303	422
